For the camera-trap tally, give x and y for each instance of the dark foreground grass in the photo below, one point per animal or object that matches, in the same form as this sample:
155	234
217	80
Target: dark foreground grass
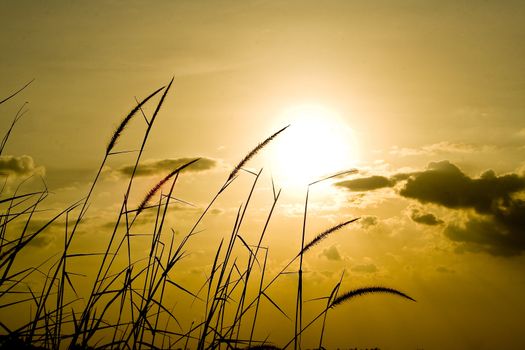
126	306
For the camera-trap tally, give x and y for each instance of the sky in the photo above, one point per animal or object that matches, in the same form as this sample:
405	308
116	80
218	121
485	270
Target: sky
423	98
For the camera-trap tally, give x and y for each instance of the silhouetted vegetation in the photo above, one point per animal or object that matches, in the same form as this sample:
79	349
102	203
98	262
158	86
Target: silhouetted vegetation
126	306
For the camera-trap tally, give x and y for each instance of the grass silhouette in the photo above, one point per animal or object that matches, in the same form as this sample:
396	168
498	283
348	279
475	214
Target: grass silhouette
126	305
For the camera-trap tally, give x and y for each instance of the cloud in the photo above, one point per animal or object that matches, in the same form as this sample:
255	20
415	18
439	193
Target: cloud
365	268
439	148
492	207
331	253
154	167
366	183
367	221
497	223
19	166
521	133
425	218
444	269
216	211
44	238
444	184
492	234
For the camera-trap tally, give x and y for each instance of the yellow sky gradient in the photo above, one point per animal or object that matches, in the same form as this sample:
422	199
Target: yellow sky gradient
432	92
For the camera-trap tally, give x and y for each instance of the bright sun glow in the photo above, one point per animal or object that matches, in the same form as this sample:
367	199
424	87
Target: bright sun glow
318	143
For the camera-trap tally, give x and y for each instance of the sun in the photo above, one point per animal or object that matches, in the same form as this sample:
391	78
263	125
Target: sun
318	143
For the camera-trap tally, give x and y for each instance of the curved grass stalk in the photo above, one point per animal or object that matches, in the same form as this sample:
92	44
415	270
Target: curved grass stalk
347	296
253	152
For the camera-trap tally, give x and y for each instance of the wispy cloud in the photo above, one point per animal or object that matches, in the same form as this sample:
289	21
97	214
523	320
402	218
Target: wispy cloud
440	148
364	268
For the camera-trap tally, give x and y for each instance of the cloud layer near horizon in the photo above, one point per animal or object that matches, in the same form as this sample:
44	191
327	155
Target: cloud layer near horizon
495	212
19	166
154	167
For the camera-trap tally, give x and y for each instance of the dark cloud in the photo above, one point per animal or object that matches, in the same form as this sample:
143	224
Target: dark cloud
366	183
497	225
425	218
492	234
444	184
19	166
44	238
444	269
493	204
401	176
332	253
155	167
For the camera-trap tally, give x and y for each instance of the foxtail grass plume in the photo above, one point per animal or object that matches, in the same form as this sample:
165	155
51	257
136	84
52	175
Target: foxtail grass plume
159	184
367	290
126	120
253	153
325	234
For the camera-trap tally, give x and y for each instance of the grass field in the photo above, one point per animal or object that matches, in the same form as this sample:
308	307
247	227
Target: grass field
128	302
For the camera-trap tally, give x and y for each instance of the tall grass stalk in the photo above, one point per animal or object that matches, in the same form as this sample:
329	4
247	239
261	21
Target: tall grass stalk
98	280
346	297
128	305
253	152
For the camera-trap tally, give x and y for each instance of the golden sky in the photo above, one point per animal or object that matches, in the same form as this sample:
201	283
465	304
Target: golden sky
423	98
